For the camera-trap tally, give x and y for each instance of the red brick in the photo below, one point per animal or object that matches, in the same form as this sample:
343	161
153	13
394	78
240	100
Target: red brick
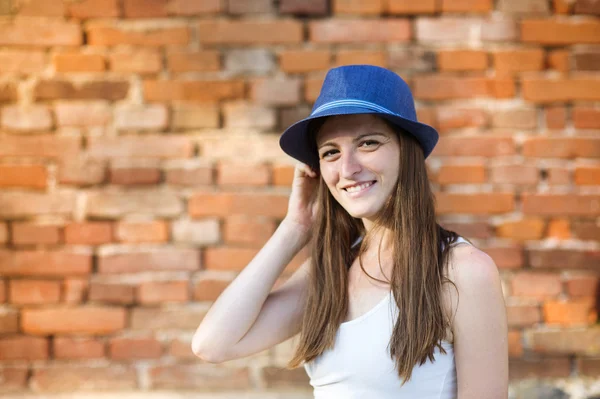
23	348
77	348
299	61
560	31
25	204
136	117
146	146
82	114
99	35
250	6
586	117
247	230
85	9
242	174
515	345
501	87
283	175
196	232
506	256
73	62
144	8
563	6
227	204
547	367
587	7
153	231
129	176
447	29
522	230
461	174
462	60
147	202
477	204
197	91
559	60
88	233
439	87
587	175
246	115
190	174
571	313
134	348
13	378
30	32
189	116
514	174
120	294
412	7
31	118
44	263
582	285
585	230
482	145
193	7
201	61
470	6
521	7
536	285
561	147
140	61
41	8
562	258
69	378
523	315
180	349
470	229
156	292
27	233
283	31
28	176
308	7
101	90
30	292
160	258
9	321
352	57
555	117
566	341
22	61
360	31
8	93
209	289
275	91
74	290
93	320
358	7
174	318
228	258
518	60
559	176
588	367
586	59
561	204
449	117
201	376
515	118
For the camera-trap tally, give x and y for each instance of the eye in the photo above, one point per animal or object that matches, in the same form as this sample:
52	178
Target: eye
328	153
369	144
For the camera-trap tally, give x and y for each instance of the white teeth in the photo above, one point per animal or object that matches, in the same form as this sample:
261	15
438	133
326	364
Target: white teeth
355	189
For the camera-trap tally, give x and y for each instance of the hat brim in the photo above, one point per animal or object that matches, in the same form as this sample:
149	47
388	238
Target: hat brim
296	142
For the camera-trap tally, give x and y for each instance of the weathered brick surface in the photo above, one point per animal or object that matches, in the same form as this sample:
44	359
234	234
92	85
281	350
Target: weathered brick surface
140	172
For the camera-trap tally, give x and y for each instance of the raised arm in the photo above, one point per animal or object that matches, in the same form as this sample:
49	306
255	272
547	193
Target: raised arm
248	317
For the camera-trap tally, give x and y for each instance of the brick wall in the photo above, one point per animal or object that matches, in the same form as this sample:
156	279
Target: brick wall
140	171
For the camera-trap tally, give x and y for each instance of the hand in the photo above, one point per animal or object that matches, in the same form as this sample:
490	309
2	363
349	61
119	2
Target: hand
302	206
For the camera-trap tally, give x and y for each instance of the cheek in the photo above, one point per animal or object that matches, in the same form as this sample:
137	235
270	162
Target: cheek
329	174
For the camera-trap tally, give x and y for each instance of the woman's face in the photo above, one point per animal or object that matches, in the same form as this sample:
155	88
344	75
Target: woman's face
359	157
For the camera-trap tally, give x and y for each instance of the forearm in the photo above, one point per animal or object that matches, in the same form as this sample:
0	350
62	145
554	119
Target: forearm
237	308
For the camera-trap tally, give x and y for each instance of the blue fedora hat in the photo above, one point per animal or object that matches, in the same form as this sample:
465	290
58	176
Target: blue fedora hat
359	89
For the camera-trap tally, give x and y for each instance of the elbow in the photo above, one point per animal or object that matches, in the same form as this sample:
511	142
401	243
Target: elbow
206	353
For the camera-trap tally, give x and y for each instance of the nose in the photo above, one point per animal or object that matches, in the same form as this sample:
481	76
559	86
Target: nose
350	165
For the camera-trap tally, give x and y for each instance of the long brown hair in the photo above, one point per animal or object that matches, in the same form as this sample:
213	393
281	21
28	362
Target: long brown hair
419	261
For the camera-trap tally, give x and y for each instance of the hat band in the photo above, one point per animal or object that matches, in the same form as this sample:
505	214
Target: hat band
360	103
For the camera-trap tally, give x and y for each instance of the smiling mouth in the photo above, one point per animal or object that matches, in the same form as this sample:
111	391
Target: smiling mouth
359	187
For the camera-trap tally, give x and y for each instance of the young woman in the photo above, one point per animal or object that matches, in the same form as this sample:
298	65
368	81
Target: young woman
390	304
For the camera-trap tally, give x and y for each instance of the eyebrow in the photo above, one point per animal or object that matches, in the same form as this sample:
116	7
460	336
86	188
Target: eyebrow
358	138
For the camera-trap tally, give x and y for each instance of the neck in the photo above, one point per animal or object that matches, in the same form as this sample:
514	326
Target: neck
379	235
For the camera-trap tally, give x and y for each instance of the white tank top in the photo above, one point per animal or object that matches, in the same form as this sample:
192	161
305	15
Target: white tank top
359	365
